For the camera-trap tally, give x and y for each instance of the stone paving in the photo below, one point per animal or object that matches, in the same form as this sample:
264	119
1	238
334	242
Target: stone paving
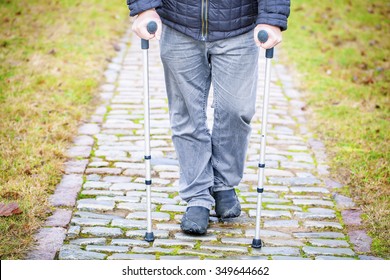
101	204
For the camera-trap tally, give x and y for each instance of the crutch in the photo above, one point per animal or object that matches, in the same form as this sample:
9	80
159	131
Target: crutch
263	37
152	28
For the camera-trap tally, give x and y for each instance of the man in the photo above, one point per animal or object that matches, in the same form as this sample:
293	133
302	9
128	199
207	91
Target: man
204	42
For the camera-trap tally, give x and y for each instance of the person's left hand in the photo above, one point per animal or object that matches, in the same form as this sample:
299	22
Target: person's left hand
274	35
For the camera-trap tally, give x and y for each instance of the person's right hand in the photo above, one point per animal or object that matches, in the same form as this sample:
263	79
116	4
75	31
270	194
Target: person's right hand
274	35
142	20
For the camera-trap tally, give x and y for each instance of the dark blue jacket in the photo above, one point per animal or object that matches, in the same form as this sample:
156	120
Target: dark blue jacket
211	20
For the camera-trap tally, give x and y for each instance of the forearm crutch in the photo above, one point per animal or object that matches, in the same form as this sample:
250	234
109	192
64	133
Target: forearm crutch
152	28
263	37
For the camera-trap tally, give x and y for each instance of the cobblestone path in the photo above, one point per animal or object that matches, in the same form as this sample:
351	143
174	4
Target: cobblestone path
101	204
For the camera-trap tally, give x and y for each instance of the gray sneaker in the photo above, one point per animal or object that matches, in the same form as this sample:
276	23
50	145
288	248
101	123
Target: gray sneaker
195	220
227	204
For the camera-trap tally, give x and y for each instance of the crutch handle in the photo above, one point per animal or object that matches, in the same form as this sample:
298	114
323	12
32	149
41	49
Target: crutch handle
152	28
263	37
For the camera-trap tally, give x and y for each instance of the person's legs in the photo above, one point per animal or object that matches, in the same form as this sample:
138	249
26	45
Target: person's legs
187	76
234	65
210	163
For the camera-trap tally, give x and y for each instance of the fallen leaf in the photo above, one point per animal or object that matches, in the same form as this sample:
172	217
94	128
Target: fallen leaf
363	66
11	194
298	9
9	209
373	43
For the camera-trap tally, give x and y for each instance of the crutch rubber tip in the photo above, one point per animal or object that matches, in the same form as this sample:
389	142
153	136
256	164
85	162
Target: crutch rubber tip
256	243
149	237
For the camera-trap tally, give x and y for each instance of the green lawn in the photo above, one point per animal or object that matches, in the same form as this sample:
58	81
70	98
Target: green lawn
341	50
52	57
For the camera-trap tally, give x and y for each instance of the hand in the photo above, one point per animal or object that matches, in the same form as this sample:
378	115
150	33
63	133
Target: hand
274	35
142	20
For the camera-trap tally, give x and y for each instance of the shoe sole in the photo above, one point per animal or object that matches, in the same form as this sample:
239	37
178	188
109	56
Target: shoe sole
190	227
194	232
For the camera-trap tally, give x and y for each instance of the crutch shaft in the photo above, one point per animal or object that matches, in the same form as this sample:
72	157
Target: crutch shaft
261	175
263	37
148	177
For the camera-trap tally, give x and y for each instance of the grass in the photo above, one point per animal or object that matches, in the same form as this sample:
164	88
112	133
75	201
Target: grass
341	50
52	57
